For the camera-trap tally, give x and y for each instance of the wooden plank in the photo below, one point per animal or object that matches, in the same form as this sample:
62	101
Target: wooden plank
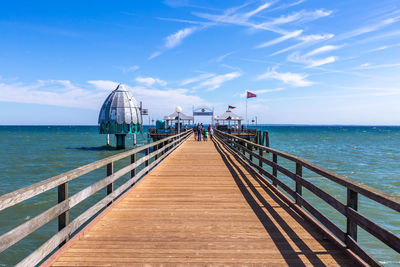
35	257
10	238
191	221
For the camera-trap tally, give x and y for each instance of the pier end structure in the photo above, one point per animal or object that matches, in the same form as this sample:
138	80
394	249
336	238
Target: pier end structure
120	115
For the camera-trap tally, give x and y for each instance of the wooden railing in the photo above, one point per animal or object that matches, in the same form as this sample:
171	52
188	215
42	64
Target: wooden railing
346	239
162	149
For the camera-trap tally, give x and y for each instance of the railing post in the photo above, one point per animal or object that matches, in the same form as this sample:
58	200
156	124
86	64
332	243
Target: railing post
274	169
63	218
250	147
266	138
133	172
260	153
352	202
110	171
299	172
155	149
146	163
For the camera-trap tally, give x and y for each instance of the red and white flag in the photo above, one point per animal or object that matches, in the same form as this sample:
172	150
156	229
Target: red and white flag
231	107
250	94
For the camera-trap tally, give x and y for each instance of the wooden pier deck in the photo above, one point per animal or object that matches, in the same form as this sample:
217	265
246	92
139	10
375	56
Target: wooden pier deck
202	207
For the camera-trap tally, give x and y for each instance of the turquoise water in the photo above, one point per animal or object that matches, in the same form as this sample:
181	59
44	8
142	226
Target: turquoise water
29	154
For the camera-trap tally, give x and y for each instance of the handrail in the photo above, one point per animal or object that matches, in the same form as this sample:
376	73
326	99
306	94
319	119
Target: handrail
65	202
372	193
240	147
25	193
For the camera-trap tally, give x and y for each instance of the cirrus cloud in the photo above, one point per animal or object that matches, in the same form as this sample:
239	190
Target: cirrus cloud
293	79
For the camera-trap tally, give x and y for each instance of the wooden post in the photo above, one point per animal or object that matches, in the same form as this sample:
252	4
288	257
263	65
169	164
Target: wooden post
146	163
155	148
250	147
266	138
274	169
299	172
134	139
260	153
63	218
110	171
133	172
352	202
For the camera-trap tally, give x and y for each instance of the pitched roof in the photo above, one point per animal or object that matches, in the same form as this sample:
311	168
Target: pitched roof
229	116
120	107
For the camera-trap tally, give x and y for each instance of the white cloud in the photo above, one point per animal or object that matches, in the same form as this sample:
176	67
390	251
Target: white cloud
129	69
317	37
322	49
258	9
312	62
370	66
219	59
154	55
150	81
306	40
320	62
52	92
281	39
162	102
365	65
294	79
104	85
381	23
217	81
196	79
384	47
175	39
66	94
301	16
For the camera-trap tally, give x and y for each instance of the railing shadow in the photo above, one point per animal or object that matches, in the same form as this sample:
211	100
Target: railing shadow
289	254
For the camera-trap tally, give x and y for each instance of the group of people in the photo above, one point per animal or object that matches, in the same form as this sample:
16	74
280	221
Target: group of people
200	131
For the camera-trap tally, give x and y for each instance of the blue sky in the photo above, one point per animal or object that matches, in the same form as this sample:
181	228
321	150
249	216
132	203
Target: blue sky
309	62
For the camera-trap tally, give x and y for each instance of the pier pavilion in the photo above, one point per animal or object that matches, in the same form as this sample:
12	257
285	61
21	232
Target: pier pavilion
229	118
173	119
120	115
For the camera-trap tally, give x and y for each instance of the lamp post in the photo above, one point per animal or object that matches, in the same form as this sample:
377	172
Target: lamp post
178	110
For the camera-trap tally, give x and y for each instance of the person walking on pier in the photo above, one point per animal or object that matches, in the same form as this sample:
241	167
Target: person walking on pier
199	132
195	132
211	131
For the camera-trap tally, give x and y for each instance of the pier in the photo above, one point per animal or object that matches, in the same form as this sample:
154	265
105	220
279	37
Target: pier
202	203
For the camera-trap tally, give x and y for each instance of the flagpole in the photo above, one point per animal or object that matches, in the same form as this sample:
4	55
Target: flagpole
246	109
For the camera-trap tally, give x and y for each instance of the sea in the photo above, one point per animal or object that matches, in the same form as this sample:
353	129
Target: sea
366	154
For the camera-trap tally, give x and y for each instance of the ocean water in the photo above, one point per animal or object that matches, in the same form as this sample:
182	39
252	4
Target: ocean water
370	155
